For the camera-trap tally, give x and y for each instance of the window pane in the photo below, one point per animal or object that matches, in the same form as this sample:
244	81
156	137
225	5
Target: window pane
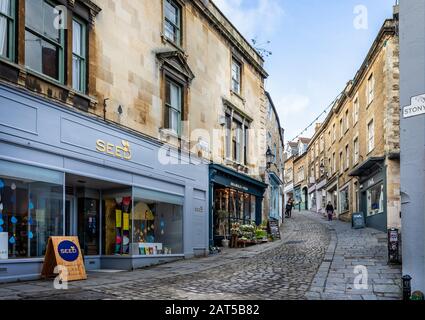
77	37
41	56
76	73
34	14
31	209
50	15
170	31
4	36
174	120
158	227
5	7
171	12
175	96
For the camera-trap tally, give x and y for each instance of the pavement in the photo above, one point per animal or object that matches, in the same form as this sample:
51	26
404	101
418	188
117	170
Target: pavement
355	266
314	260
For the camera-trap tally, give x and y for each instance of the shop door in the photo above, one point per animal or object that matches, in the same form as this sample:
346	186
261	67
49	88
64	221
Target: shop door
70	216
88	225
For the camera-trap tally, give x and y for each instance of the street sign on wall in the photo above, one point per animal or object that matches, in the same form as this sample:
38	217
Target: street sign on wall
416	108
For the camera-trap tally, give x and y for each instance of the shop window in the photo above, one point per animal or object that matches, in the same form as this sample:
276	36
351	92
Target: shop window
375	200
117	207
44	43
31	208
345	202
158	223
7	29
238	207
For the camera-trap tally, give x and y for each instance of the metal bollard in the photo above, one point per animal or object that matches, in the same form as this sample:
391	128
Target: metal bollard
407	288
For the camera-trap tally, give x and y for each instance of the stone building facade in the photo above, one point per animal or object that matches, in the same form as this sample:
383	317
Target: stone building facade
273	176
157	105
354	155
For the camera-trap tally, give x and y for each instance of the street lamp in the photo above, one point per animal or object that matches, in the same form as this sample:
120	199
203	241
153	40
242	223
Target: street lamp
269	157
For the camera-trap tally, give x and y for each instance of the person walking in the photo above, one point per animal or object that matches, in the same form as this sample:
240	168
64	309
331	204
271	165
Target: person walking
289	205
330	211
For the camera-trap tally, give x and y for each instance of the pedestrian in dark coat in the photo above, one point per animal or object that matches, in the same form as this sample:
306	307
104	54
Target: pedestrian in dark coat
289	206
330	211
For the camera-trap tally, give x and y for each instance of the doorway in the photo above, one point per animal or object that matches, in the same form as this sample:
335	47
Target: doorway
84	211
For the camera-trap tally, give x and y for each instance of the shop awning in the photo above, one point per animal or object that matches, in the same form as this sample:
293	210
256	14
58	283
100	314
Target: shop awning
275	179
367	167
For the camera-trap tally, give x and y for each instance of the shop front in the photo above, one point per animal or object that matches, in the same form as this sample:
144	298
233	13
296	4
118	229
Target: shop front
312	194
234	198
63	173
373	200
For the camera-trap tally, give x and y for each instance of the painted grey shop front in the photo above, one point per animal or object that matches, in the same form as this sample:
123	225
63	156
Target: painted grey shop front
373	202
131	201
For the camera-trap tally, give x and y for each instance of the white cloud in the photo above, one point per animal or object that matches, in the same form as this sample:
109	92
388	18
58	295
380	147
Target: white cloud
253	18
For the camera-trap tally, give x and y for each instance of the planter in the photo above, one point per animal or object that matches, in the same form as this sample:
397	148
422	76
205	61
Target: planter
225	243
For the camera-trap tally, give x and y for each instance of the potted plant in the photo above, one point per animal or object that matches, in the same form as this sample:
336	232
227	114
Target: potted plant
223	217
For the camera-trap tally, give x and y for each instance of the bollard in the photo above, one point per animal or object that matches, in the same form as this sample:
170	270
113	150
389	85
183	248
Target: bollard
407	288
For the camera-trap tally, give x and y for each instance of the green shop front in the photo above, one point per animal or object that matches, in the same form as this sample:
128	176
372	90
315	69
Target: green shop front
239	195
373	202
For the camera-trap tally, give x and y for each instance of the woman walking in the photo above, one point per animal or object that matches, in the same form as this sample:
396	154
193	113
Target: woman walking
330	211
289	206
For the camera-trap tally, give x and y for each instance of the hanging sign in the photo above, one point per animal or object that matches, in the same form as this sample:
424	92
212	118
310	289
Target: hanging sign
416	108
66	252
4	245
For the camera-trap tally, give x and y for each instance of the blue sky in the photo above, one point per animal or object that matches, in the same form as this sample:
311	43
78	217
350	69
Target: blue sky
316	49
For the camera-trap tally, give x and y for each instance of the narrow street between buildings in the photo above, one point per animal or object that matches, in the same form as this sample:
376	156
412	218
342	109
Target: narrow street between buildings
314	260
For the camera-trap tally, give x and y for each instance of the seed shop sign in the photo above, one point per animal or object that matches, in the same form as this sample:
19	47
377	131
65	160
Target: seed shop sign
64	252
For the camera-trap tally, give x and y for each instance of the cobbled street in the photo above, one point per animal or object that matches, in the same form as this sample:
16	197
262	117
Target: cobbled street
308	263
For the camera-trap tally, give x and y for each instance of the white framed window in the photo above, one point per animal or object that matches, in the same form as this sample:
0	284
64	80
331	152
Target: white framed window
333	163
356	150
341	128
370	89
236	76
173	21
79	65
356	109
333	132
347	157
341	162
347	121
173	104
370	136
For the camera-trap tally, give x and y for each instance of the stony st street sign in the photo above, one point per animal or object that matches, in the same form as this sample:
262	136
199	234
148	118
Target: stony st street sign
416	108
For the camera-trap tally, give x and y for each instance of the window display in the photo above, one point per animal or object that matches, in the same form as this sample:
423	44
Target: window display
236	206
31	208
345	202
117	227
375	200
158	223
